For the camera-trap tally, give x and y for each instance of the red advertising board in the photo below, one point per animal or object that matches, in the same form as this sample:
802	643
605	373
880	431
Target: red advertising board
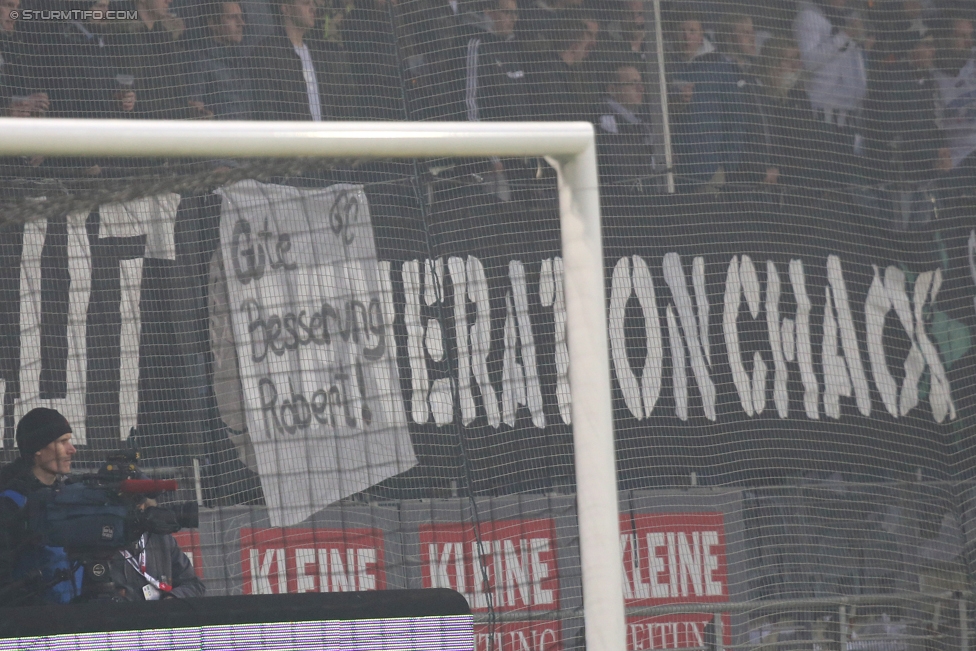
676	631
518	563
276	561
518	571
673	558
519	636
189	542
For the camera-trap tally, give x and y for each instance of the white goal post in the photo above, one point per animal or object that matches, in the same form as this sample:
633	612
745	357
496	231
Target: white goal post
569	147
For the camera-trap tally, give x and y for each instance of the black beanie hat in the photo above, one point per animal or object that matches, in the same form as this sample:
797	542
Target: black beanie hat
38	428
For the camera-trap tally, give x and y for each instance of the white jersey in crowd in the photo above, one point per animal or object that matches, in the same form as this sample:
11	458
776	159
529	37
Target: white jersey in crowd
837	82
957	110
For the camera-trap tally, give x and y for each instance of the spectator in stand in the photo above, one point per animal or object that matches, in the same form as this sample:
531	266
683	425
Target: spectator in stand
368	35
707	112
956	79
221	69
737	41
565	83
82	66
153	52
300	78
627	36
796	142
542	21
907	113
623	137
832	43
20	95
900	27
495	80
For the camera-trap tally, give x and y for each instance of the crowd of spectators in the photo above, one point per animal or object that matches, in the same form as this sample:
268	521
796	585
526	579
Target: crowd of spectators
842	92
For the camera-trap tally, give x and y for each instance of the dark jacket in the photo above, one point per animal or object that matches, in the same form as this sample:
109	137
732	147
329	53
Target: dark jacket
82	73
21	555
496	80
561	92
623	145
369	38
15	74
901	118
164	562
752	139
157	60
221	78
280	85
796	138
707	133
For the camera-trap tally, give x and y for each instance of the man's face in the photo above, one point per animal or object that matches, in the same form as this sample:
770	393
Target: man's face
589	36
628	89
692	37
922	55
301	13
8	24
54	459
228	27
504	17
788	69
158	8
744	37
99	6
961	40
635	15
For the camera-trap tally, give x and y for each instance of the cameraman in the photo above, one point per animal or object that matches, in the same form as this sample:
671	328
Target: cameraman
29	572
155	567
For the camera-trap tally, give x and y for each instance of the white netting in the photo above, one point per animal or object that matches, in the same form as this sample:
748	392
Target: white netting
789	247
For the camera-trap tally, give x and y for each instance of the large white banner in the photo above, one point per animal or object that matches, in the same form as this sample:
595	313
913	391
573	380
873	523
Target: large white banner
312	320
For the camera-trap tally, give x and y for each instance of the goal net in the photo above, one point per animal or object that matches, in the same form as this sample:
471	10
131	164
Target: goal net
359	357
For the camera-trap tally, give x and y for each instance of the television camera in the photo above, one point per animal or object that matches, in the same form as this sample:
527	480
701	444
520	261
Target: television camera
93	516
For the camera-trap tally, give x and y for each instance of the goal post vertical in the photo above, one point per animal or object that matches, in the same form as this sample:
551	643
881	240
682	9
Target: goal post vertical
569	146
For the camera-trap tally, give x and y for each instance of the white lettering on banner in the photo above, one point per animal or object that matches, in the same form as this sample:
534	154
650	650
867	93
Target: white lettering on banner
804	345
420	384
328	569
277	561
518	636
459	279
515	568
552	295
481	338
510	567
686	320
673	557
130	286
151	217
693	325
679	631
781	340
72	406
640	394
742	278
310	315
533	400
261	570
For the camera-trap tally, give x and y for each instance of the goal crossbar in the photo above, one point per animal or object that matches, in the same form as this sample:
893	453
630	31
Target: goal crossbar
568	146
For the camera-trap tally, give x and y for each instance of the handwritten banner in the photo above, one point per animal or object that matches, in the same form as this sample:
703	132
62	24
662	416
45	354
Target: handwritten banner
312	320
